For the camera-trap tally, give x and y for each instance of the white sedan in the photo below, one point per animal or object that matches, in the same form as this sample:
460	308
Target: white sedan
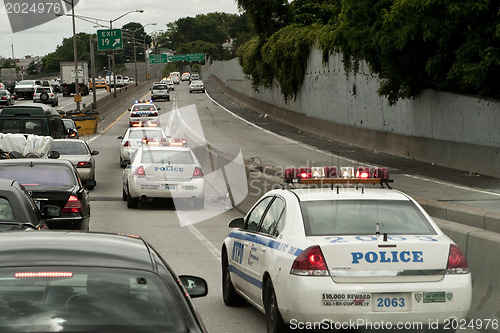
344	257
135	137
164	172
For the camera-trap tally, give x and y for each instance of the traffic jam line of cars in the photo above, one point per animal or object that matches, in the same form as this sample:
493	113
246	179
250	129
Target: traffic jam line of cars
319	251
325	248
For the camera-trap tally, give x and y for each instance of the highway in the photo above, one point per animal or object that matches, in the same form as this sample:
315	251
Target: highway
194	247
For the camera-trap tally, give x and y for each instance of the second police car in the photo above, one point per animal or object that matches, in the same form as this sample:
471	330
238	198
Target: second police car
144	113
330	257
168	170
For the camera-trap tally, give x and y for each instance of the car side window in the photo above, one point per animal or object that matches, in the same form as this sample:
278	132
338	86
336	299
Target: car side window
6	211
255	216
273	217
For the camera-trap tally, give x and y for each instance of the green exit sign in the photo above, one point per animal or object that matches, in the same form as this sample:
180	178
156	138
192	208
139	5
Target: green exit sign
195	57
109	39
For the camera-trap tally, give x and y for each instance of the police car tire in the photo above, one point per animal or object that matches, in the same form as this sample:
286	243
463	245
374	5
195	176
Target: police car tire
124	195
274	321
132	202
229	294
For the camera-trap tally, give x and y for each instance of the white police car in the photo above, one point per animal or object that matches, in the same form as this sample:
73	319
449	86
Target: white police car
344	257
135	137
144	113
164	171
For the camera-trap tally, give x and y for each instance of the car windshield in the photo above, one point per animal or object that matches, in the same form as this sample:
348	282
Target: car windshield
81	299
145	133
167	156
39	174
360	217
70	147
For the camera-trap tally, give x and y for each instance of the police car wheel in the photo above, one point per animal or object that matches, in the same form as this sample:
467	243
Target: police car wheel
131	202
274	321
229	294
124	195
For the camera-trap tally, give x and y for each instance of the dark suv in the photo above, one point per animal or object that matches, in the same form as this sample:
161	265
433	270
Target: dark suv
38	120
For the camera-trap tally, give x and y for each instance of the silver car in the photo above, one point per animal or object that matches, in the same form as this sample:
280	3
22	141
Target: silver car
79	154
197	85
46	95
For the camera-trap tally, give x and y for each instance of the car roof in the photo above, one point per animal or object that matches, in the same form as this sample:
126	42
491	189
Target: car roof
36	161
74	249
350	193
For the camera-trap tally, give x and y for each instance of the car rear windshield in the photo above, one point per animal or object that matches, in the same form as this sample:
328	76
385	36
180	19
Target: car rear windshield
361	217
144	107
145	134
70	148
39	174
22	125
40	90
162	87
167	157
76	299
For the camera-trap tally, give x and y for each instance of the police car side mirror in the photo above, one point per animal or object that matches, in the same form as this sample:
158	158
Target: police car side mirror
54	154
94	152
158	109
130	109
238	222
120	137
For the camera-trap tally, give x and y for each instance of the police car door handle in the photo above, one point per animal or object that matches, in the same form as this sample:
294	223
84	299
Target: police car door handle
263	250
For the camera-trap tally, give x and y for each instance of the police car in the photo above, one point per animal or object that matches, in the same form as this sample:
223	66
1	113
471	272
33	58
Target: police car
170	170
319	257
144	113
135	137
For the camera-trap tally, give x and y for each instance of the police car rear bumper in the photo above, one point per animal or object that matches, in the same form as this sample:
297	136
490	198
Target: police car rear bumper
314	299
140	187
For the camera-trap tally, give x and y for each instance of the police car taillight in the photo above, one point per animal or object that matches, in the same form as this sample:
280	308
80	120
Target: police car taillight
310	262
73	205
139	171
457	263
197	173
126	144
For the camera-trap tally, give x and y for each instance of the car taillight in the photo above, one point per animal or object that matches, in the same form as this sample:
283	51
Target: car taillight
310	262
139	171
197	173
4	97
457	263
84	165
126	144
72	135
73	205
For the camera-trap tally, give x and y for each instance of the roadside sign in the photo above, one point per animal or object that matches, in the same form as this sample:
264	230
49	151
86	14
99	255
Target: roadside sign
195	57
158	58
176	57
77	73
109	39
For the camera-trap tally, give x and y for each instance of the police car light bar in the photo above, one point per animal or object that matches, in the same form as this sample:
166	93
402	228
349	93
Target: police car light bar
329	175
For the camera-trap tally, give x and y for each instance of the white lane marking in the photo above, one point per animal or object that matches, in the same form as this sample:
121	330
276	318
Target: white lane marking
347	159
434	181
213	250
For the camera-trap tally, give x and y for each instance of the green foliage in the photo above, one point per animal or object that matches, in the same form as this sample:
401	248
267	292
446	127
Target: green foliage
412	45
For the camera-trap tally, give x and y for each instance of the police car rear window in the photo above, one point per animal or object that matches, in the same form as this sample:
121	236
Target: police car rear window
360	217
167	157
144	107
145	134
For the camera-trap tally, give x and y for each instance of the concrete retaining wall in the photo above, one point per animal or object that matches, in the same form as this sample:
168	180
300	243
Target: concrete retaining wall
443	128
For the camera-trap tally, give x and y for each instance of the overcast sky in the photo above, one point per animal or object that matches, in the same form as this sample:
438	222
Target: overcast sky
43	39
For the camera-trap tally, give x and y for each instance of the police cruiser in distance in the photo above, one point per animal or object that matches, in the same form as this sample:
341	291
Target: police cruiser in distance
343	254
144	114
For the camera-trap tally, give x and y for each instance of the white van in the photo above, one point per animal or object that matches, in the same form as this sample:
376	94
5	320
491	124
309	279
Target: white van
119	81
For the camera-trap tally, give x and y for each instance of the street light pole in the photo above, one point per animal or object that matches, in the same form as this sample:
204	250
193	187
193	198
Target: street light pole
75	55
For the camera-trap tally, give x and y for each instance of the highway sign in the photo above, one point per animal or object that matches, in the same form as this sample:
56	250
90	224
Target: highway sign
109	39
176	57
157	58
195	57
